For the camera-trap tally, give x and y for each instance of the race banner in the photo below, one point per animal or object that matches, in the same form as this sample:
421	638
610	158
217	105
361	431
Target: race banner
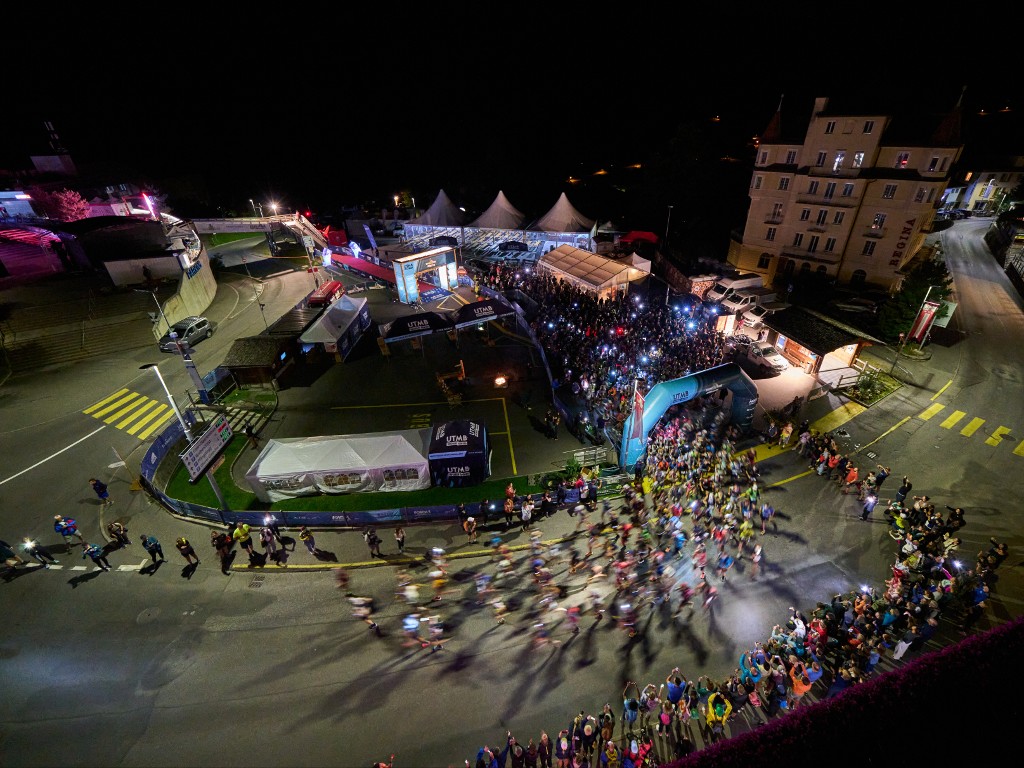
638	414
923	321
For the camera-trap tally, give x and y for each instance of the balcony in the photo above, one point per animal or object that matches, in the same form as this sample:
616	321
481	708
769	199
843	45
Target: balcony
802	254
773	219
876	233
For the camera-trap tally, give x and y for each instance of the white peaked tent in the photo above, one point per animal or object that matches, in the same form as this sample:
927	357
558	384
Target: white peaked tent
500	215
563	218
441	213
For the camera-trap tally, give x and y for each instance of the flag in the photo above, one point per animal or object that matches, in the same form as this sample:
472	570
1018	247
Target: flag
923	321
638	413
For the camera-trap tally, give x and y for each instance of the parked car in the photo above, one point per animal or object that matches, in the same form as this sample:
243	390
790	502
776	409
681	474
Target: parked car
765	356
856	304
190	331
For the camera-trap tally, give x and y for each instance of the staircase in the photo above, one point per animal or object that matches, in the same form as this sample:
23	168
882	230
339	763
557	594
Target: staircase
72	318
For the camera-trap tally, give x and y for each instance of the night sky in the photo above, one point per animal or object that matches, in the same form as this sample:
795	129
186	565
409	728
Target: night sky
372	107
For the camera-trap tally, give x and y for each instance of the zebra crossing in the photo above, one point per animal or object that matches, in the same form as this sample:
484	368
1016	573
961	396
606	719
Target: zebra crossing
131	412
953	420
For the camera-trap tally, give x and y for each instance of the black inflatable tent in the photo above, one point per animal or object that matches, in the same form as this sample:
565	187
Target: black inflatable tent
459	454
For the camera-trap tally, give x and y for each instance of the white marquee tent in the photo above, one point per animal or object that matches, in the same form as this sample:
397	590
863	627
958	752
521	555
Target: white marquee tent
591	272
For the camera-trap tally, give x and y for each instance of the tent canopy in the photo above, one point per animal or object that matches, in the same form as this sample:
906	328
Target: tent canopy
588	270
500	215
418	324
459	454
305	466
563	218
481	312
335	322
441	213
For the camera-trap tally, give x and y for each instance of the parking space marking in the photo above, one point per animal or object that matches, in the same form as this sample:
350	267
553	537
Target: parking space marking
997	436
930	411
953	419
972	427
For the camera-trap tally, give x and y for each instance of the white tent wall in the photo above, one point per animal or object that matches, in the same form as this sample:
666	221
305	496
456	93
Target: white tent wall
307	466
593	273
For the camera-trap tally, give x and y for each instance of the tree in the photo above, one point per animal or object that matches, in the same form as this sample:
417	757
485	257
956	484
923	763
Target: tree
62	205
897	316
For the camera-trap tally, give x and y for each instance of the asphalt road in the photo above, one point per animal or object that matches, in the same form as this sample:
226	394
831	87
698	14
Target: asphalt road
143	667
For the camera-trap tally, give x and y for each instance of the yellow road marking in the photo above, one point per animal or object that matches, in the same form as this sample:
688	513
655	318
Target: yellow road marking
138	412
944	387
930	411
104	401
116	404
997	436
972	427
148	419
132	405
157	424
838	417
952	420
1019	450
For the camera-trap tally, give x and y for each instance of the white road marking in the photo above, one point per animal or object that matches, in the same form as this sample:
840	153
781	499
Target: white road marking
129	567
53	455
77	567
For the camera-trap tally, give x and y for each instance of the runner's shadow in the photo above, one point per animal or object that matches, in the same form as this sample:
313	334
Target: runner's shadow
77	581
189	570
152	568
327	557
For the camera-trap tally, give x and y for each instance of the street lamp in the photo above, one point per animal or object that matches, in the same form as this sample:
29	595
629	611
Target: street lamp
159	308
174	406
273	207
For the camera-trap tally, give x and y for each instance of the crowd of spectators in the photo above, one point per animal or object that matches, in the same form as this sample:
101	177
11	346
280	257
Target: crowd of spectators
698	496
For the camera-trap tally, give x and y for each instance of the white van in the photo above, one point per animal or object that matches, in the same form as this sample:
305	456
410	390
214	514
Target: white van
725	287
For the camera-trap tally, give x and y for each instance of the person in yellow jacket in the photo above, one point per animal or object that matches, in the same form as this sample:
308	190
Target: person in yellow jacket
718	710
243	537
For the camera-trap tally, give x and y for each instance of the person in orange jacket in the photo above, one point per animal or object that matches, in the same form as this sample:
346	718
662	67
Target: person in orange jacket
798	676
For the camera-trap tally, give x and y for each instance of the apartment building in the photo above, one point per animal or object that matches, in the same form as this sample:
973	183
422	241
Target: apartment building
848	196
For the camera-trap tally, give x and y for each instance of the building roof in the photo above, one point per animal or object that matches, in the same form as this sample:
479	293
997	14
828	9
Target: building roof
253	352
295	321
818	333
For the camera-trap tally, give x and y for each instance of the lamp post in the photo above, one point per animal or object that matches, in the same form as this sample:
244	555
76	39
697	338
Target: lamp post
170	399
667	220
254	206
159	308
255	293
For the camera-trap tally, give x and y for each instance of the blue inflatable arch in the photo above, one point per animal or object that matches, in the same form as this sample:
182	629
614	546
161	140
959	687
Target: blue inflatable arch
668	393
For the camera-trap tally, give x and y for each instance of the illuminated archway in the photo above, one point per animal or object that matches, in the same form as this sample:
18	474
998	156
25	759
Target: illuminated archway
668	393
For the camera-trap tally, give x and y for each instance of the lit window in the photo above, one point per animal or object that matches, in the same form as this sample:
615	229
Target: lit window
837	164
902	159
858	159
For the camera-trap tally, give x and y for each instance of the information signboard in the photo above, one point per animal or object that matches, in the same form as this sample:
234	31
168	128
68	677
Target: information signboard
203	452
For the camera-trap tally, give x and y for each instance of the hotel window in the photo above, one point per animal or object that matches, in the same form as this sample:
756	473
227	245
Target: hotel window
839	216
830	190
812	246
858	159
837	164
919	197
812	188
783	183
933	164
764	159
869	126
830	244
902	159
847	190
889	192
777	212
830	127
758	181
869	248
879	221
822	217
798	239
805	214
764	261
822	157
791	157
770	234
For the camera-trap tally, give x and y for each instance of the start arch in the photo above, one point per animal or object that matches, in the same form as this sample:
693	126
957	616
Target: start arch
668	393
